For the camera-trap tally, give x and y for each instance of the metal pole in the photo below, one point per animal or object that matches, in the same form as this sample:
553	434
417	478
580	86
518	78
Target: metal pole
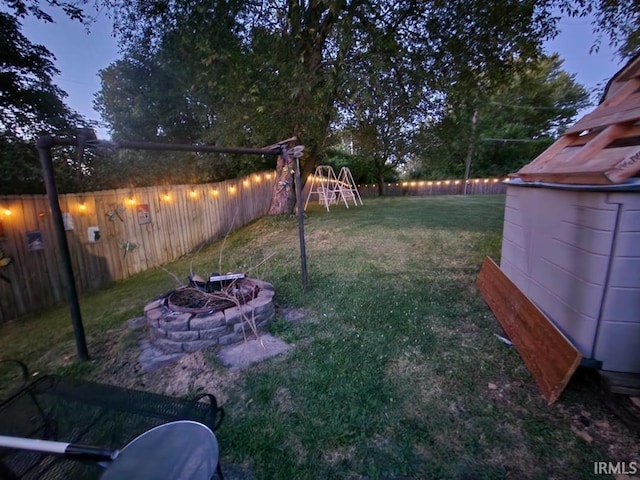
44	145
165	147
303	249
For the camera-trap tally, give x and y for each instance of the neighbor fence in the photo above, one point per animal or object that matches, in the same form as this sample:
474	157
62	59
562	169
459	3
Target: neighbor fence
114	234
475	186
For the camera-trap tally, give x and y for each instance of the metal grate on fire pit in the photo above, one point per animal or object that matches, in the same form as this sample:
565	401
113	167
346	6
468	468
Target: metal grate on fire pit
194	300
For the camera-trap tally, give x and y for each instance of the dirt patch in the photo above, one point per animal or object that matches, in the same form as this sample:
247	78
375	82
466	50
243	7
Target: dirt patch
282	400
295	315
116	362
339	456
191	375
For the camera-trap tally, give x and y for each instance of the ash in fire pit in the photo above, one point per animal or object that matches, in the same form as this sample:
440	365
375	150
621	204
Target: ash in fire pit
190	318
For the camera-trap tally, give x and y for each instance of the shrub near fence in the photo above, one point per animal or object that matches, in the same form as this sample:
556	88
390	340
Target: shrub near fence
138	229
475	186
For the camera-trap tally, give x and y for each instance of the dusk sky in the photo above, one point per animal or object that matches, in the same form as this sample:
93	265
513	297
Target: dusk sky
80	55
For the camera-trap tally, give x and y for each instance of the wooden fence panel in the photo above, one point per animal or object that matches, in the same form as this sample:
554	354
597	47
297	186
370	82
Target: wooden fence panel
180	218
24	256
53	266
9	288
156	227
210	216
475	186
37	240
131	248
163	222
103	251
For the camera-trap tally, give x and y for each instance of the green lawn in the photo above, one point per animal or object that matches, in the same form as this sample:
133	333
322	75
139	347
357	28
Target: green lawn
396	370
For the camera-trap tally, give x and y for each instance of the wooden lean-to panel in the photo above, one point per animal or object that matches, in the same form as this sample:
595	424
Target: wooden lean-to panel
546	352
603	147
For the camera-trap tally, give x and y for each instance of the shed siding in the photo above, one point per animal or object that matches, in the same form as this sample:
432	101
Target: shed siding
576	255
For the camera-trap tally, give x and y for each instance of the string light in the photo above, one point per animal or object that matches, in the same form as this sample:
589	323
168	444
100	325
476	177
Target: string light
215	192
193	193
166	197
245	182
7	212
82	207
439	183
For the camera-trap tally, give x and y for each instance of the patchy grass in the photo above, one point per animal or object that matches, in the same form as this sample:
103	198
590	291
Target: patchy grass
396	371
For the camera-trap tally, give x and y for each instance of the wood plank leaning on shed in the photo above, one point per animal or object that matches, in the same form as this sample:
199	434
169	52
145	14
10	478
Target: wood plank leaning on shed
547	353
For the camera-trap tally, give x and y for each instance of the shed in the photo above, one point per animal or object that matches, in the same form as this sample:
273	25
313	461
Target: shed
571	236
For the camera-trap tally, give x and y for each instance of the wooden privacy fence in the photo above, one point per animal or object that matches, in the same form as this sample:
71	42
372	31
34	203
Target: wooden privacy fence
114	234
475	186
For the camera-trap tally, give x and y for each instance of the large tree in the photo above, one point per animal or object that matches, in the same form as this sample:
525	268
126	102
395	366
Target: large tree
382	100
255	72
238	72
30	104
502	128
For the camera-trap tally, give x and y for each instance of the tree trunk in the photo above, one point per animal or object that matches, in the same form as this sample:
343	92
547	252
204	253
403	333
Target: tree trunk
470	150
284	197
381	185
380	176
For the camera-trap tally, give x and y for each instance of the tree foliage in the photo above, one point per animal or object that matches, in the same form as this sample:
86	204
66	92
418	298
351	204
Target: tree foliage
251	73
30	105
23	8
29	102
516	121
614	21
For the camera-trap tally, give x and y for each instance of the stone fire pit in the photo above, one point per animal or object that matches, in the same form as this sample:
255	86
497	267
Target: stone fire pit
186	320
